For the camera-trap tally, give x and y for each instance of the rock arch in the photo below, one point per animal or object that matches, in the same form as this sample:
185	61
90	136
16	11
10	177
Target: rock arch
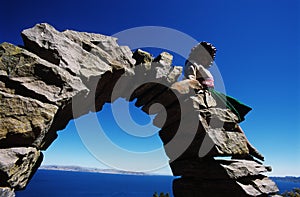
54	72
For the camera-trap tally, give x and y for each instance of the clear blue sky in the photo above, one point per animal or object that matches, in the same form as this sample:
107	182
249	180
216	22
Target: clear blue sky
258	56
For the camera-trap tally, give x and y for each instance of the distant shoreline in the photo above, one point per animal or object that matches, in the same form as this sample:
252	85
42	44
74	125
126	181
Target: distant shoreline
96	170
293	179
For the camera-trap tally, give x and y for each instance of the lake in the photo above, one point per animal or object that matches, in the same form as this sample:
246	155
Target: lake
49	183
286	185
52	183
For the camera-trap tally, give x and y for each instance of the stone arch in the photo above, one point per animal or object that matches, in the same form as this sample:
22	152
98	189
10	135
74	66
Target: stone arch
56	72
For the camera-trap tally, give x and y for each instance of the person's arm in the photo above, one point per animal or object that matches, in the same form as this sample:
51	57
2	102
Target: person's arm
206	78
189	70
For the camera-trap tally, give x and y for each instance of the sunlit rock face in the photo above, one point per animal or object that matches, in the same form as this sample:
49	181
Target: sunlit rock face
41	82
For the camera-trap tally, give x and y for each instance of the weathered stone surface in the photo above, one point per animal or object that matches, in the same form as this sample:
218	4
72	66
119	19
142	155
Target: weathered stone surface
17	165
68	74
104	47
242	168
164	59
218	169
6	192
250	190
219	118
36	89
58	49
143	57
260	185
23	121
162	64
228	142
28	75
174	74
265	185
203	100
236	178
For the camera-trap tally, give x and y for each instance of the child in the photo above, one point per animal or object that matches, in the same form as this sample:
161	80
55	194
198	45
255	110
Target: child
196	67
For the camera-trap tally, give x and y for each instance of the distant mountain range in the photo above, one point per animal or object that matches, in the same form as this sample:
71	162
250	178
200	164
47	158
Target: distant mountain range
114	171
85	169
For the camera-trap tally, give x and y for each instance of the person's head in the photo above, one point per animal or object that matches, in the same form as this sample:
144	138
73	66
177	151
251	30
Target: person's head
203	53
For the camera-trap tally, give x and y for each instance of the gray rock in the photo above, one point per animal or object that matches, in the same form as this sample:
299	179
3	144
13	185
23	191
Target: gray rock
164	59
63	75
162	64
203	100
17	165
57	48
228	142
104	47
26	74
175	73
265	185
242	168
6	192
250	190
259	186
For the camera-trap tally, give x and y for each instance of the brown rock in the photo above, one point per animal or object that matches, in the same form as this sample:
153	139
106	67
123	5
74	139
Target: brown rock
142	57
24	121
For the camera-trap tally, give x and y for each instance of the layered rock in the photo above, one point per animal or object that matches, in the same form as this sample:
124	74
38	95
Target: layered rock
58	76
17	166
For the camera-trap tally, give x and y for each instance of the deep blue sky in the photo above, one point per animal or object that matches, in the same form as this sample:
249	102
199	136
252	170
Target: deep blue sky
258	56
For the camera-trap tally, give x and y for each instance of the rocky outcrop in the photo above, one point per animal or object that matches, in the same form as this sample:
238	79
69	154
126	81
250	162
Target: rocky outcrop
41	83
17	165
6	192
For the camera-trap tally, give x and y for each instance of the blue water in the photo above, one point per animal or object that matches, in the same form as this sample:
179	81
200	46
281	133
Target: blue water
284	186
49	183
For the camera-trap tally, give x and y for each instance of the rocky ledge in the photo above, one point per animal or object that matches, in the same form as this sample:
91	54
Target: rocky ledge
53	71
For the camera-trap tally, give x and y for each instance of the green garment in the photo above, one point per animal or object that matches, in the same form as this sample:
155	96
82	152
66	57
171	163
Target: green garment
237	107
